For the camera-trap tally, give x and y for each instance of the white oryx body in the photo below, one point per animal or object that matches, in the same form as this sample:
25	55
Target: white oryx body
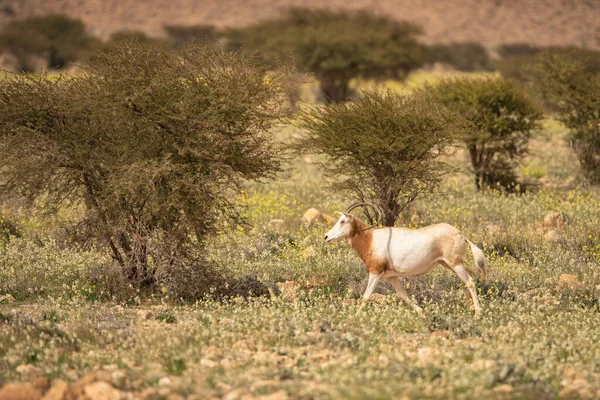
390	253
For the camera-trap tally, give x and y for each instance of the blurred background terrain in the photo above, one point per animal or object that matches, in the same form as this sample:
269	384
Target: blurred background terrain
490	22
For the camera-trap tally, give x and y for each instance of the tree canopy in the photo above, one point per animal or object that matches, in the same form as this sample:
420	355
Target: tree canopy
153	144
335	46
384	148
499	120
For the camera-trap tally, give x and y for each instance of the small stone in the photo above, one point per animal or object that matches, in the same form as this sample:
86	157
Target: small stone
483	365
570	281
7	298
42	383
308	160
144	314
101	391
427	354
19	391
149	394
213	352
279	395
312	216
236	394
87	379
165	381
58	391
205	362
378	298
552	236
505	388
554	219
288	289
175	396
28	371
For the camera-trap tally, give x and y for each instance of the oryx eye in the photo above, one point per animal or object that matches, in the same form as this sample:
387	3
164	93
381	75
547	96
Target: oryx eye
341	222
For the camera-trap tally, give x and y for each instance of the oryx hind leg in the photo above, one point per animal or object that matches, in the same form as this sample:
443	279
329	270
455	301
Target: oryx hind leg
397	285
464	276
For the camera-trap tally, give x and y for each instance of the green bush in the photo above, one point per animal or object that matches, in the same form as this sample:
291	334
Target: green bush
569	85
466	56
335	46
383	149
153	144
500	119
59	39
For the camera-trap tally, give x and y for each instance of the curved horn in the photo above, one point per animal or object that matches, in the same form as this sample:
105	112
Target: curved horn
376	209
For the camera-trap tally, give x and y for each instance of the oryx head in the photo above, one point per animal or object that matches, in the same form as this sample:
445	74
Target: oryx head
342	228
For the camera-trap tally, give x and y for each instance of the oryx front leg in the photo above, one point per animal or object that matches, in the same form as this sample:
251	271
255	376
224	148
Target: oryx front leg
373	280
464	276
397	285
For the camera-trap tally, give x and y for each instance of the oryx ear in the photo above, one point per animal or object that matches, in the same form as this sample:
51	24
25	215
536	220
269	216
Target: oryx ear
339	212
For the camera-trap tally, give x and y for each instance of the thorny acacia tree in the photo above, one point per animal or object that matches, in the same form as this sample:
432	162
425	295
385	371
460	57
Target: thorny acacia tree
335	46
384	148
499	121
153	143
570	86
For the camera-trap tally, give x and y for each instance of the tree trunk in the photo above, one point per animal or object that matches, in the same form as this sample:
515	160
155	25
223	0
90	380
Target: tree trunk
475	157
334	88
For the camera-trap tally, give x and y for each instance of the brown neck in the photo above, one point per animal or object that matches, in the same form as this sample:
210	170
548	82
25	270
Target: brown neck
360	239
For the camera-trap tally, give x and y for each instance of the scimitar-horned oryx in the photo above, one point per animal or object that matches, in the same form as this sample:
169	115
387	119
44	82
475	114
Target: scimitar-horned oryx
391	252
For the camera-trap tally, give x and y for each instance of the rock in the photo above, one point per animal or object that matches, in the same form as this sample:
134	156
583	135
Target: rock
42	383
483	365
28	371
569	281
428	354
577	388
144	314
205	362
312	216
552	236
58	391
505	388
87	379
165	381
279	395
213	352
308	160
288	289
236	394
19	391
7	298
149	394
378	298
554	220
101	391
